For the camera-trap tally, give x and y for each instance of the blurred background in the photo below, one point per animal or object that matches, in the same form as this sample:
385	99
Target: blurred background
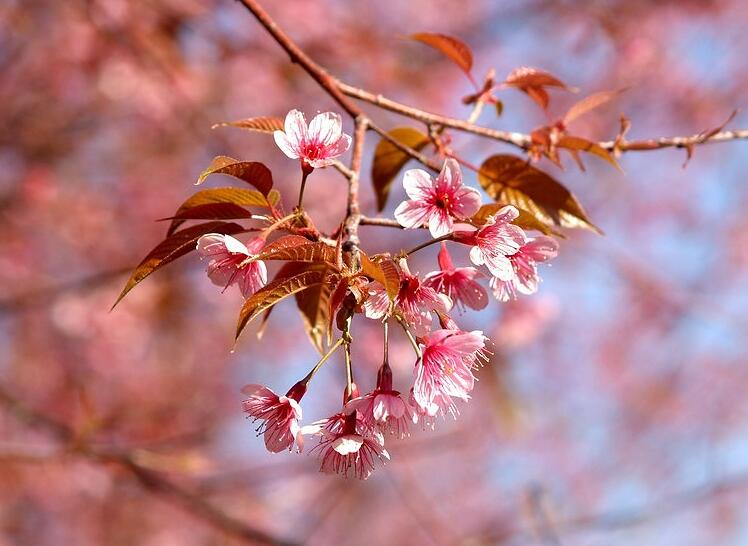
614	411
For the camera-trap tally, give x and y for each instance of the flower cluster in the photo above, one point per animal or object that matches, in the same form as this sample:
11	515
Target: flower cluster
446	357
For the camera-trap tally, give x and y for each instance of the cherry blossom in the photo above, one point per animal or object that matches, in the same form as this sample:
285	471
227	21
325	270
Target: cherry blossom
280	415
445	370
318	144
383	407
457	282
348	446
494	242
415	301
436	202
229	262
524	263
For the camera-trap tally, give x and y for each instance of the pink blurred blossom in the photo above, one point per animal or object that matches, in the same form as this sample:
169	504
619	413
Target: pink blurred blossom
383	407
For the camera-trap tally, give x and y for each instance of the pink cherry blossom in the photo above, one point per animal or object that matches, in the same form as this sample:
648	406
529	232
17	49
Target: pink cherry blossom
348	446
524	263
436	202
494	242
317	145
445	370
280	415
414	301
458	283
230	262
383	407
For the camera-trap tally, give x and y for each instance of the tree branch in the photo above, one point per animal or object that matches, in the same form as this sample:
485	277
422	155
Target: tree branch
149	479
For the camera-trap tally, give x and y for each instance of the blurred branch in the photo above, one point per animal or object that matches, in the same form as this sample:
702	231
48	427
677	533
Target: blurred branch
619	519
42	296
150	480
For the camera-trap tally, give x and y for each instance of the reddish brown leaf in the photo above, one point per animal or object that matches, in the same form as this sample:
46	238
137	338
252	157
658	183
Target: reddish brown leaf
533	82
314	306
212	211
295	248
260	124
252	172
512	180
588	104
453	48
388	160
235	196
384	271
176	245
577	143
277	291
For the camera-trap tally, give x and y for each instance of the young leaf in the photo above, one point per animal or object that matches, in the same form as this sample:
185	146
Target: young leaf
296	248
212	211
314	305
588	104
235	196
533	82
252	172
276	291
456	50
388	160
174	246
512	180
262	124
576	143
384	271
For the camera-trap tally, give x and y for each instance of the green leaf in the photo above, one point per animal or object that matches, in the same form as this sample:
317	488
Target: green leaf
388	160
235	196
176	245
252	172
512	180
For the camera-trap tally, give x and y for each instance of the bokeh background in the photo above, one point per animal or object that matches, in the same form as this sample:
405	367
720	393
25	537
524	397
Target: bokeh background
614	411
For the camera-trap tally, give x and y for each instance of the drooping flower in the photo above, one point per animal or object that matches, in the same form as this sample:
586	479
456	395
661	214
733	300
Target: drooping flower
436	202
457	282
348	446
445	370
318	144
414	301
230	262
524	263
494	242
280	415
383	408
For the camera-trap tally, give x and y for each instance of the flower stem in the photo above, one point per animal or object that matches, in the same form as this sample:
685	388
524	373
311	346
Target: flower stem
278	223
348	364
322	360
304	174
412	340
446	237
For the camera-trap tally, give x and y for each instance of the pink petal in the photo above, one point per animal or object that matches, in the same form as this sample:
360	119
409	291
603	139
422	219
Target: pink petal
418	184
466	203
541	248
325	128
288	147
440	223
412	214
295	128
